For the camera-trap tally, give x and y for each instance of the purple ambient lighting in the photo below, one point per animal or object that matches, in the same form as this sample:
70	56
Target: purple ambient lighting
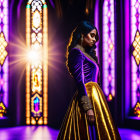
109	60
135	25
52	3
137	4
96	17
4	67
18	8
29	132
1	82
108	49
138	81
109	14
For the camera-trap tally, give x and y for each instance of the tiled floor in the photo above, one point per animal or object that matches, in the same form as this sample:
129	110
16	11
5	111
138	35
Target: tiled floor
47	133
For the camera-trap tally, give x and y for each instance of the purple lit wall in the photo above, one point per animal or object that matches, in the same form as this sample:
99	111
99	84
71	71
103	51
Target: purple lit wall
4	57
135	71
108	49
96	19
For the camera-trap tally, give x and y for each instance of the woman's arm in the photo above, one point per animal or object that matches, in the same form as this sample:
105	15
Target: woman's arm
75	64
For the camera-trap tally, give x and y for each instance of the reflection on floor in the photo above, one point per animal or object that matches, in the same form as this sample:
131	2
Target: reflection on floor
28	133
129	134
47	133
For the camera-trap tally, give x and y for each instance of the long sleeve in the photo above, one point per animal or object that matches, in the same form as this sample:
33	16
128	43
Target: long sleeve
75	64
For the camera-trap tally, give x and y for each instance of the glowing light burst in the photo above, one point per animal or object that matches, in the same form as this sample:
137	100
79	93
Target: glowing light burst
108	49
37	33
34	57
28	52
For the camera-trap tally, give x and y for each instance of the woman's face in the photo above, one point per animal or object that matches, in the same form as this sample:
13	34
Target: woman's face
89	39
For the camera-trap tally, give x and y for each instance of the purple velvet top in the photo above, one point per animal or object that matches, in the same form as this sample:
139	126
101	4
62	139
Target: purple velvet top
83	69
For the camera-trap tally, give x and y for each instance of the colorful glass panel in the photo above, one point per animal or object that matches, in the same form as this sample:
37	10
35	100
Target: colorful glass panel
135	68
3	58
36	40
108	49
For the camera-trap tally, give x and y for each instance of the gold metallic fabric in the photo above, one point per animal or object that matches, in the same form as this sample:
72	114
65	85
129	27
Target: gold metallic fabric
75	125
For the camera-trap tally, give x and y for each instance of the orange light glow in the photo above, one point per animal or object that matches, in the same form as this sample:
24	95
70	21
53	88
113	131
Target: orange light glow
137	109
28	67
110	97
45	64
37	70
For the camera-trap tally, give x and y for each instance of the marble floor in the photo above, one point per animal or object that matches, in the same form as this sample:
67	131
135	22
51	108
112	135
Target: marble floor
48	133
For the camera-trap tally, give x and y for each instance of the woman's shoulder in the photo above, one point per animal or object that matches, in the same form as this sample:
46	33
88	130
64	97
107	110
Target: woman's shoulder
76	50
75	54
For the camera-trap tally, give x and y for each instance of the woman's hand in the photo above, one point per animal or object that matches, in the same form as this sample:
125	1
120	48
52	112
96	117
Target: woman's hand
90	116
88	109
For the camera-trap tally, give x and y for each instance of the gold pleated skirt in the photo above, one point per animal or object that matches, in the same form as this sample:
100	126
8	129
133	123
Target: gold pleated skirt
75	125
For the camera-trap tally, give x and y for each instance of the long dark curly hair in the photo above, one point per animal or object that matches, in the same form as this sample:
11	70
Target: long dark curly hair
82	29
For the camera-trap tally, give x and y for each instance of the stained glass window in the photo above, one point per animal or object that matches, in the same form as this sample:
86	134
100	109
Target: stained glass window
108	49
3	58
36	70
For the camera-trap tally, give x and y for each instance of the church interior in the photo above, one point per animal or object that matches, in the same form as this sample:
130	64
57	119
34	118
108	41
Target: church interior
35	85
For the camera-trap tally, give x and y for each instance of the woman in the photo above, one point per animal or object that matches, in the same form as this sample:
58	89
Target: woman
88	116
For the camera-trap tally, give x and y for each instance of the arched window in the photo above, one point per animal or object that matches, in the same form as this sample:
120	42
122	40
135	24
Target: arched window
108	49
37	68
135	56
4	37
